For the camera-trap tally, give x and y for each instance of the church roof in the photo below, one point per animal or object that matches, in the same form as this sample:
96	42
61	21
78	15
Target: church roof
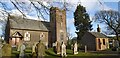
23	23
98	35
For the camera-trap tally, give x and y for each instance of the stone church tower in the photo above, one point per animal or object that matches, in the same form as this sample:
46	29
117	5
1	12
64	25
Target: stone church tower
58	30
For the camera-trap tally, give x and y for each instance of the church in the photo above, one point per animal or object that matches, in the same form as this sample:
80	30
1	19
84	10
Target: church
19	30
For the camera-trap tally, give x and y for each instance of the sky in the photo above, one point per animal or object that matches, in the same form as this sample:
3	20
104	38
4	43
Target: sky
92	6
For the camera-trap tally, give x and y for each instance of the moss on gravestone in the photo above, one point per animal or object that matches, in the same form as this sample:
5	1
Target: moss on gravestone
6	50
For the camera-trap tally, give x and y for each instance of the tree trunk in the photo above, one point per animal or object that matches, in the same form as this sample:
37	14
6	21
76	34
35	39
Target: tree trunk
117	37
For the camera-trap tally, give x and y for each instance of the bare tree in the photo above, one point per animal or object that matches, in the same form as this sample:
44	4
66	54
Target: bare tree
39	8
69	35
112	20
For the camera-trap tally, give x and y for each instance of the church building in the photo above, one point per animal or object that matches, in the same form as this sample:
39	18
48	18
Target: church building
95	41
19	30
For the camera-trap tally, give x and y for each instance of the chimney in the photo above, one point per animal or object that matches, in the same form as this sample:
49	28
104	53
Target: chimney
98	28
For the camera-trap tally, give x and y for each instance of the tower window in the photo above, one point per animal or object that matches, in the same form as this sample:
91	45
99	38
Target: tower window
61	36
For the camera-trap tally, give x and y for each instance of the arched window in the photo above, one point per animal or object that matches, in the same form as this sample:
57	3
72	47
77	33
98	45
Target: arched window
103	41
42	36
61	36
27	36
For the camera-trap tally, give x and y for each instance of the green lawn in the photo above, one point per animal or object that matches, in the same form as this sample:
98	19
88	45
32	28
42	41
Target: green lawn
50	53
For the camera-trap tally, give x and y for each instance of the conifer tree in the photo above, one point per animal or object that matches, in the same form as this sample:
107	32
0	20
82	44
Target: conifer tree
82	21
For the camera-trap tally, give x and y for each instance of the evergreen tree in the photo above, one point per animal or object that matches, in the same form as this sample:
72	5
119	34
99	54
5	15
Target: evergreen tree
82	22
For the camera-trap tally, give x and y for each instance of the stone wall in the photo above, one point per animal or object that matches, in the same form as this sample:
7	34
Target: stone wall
34	36
89	41
58	25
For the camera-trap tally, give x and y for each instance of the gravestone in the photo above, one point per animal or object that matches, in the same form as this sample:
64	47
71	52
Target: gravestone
85	48
54	47
22	50
63	50
33	50
58	47
116	44
75	48
1	45
46	45
6	51
71	46
18	47
40	50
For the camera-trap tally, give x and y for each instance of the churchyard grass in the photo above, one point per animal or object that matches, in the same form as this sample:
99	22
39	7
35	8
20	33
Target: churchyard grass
50	53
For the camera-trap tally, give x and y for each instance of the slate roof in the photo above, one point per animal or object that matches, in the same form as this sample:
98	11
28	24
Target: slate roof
98	35
23	23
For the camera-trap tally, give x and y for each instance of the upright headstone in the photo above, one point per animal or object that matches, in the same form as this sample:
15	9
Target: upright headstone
72	47
54	46
1	45
63	50
58	47
40	50
116	44
22	51
6	51
33	50
46	45
18	47
85	48
75	48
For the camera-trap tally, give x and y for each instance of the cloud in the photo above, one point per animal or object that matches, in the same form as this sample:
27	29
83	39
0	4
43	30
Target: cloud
70	25
91	5
70	21
34	18
111	0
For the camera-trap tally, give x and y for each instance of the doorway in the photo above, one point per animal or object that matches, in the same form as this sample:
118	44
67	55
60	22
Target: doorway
16	38
15	41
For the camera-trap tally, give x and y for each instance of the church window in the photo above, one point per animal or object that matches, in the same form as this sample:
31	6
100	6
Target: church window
41	36
61	24
60	14
27	36
61	36
103	41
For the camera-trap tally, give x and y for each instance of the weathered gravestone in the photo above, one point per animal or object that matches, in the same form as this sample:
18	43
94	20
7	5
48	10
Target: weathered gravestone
116	45
63	50
85	48
6	51
33	50
75	48
1	45
58	47
71	46
40	50
22	51
54	47
19	46
46	45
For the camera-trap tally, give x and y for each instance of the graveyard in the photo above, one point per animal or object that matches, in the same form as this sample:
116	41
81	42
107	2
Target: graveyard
50	53
55	29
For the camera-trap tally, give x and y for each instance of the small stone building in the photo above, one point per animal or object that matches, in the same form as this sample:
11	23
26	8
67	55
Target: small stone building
95	41
30	31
